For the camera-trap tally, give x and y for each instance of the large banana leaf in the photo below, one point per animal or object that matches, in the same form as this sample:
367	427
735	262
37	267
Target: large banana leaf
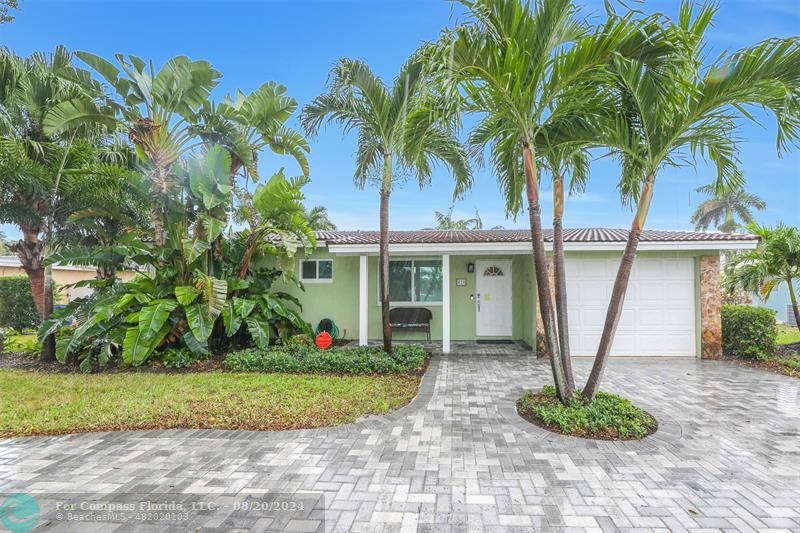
231	319
186	294
194	248
200	322
153	316
243	306
259	331
138	346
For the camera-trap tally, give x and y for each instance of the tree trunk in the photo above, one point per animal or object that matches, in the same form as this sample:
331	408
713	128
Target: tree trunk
159	178
560	279
793	299
384	271
542	279
48	354
30	251
620	288
36	278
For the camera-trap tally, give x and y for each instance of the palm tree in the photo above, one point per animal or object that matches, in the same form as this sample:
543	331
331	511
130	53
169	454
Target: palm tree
720	211
244	126
775	261
566	159
156	108
34	160
445	221
672	123
318	219
405	127
517	64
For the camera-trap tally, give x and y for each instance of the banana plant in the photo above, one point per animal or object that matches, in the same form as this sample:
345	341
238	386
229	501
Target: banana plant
177	301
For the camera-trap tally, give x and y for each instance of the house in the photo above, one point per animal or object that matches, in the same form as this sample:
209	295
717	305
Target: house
480	286
63	275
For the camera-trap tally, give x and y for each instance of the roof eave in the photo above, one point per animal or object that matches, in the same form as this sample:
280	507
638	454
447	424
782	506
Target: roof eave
485	248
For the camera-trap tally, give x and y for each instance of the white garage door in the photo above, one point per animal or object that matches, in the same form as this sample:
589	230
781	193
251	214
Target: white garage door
658	316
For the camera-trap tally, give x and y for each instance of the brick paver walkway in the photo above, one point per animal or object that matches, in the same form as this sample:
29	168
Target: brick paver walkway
726	457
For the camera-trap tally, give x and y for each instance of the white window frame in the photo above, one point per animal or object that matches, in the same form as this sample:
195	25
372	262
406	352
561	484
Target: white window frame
406	304
317	279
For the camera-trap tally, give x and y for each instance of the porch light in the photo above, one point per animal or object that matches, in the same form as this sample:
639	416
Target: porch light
470	267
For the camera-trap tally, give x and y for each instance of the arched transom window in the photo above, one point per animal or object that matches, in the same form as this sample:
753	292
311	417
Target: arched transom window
493	271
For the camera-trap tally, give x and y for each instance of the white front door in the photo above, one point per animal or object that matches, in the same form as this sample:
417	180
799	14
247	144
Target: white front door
493	298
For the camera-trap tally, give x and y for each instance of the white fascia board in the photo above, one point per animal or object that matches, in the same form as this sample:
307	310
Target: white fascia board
514	248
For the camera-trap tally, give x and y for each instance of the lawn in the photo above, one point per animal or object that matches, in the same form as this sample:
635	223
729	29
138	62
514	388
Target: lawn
49	404
788	334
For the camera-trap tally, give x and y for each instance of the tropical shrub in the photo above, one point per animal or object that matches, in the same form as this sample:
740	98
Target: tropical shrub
199	290
312	360
179	358
606	416
20	342
748	332
17	309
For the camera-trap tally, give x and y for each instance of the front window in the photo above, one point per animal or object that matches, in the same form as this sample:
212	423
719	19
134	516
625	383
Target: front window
415	280
320	270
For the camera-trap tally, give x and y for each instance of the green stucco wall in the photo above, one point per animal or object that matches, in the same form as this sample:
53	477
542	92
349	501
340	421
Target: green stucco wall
339	299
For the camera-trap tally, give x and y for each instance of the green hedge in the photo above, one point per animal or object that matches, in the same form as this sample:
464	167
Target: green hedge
17	309
309	359
748	332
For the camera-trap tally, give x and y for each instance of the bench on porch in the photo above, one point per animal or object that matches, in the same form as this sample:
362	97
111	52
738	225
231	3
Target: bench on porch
411	319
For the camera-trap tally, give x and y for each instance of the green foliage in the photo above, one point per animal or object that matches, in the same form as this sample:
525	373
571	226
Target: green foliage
606	416
179	358
748	332
774	262
12	341
17	309
196	296
296	357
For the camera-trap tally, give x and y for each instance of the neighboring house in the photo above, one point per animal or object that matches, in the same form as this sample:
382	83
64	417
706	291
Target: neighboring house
778	301
479	285
62	275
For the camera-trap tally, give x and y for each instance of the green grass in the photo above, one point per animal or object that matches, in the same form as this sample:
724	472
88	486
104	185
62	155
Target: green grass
49	404
606	417
788	334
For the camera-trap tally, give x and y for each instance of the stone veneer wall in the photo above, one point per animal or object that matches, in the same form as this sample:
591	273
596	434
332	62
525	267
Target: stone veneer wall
710	307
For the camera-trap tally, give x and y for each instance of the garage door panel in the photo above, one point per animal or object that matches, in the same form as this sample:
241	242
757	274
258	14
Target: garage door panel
658	317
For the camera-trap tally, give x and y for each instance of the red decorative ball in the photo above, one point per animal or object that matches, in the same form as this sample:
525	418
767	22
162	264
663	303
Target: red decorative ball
323	340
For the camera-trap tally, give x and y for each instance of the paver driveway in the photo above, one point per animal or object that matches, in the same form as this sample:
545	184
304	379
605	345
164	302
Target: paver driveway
726	457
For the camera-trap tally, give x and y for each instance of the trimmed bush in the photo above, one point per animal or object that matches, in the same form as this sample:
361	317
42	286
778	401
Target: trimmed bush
311	360
748	332
17	309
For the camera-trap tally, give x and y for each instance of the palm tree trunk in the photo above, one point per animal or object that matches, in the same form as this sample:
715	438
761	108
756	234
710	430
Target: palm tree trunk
48	354
384	253
620	288
30	251
560	278
542	279
793	299
159	178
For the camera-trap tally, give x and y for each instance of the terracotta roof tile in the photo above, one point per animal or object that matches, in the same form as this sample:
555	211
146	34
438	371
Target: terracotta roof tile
520	235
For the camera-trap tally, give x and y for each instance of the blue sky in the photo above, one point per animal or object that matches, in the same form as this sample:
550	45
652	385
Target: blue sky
296	42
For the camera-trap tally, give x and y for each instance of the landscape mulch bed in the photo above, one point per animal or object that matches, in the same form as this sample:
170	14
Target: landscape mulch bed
773	364
585	434
31	363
